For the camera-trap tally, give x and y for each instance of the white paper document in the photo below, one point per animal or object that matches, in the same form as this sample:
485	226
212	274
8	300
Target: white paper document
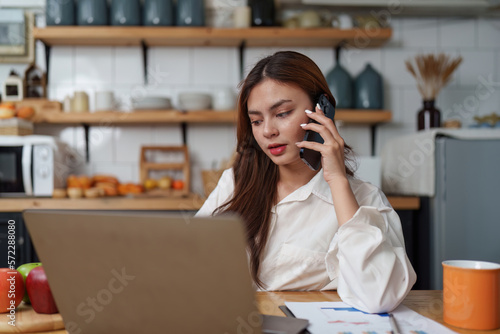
340	318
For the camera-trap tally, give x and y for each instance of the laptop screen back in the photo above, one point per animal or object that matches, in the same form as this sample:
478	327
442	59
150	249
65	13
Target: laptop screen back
145	273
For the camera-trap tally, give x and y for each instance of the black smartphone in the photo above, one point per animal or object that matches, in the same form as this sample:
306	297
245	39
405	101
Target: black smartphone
310	157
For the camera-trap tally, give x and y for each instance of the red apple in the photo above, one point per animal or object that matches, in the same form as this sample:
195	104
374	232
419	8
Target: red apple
11	289
39	292
25	269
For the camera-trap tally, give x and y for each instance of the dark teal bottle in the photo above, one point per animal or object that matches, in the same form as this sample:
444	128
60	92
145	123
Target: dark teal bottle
190	13
158	13
340	83
60	12
263	13
92	13
125	13
369	89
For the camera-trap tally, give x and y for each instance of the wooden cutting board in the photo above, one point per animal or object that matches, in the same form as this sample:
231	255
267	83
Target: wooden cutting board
28	321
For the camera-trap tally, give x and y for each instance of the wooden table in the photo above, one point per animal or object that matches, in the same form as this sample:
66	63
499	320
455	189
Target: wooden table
427	303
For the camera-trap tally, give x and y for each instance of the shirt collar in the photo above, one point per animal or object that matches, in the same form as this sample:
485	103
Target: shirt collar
316	186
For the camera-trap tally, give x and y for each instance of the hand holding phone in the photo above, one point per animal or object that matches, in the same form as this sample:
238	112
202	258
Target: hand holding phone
310	157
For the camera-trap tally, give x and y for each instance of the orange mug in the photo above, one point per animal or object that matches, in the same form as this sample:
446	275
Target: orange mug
471	294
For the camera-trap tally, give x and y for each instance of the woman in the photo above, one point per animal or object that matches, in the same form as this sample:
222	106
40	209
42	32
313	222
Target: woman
306	229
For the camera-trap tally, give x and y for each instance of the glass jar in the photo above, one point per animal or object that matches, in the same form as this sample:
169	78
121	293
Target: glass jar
429	116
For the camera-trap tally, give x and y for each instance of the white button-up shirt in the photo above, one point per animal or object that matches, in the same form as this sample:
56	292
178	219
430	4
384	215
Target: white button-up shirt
364	259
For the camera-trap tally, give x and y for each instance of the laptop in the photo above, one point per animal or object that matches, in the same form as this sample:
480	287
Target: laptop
126	272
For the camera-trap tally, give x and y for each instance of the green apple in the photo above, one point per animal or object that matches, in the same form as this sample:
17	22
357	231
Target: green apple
25	269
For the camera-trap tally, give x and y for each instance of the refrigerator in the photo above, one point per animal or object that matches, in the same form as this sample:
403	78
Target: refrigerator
464	220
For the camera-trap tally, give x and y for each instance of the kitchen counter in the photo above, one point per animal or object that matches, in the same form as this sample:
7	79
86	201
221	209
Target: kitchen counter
191	202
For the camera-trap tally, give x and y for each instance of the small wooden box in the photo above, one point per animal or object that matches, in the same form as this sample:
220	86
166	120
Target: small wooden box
147	166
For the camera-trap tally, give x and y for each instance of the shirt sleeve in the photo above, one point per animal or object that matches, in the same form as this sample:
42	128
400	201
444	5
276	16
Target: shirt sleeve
220	195
368	257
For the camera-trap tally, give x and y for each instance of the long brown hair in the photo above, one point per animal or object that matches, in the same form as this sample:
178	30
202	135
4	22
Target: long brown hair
255	175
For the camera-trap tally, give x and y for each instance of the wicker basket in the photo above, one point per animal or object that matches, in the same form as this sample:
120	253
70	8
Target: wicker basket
15	127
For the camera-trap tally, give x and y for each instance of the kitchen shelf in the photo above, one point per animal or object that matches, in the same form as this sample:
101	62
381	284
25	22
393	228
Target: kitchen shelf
205	36
204	116
192	202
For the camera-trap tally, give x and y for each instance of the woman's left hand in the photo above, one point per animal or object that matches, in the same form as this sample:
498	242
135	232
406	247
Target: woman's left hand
332	150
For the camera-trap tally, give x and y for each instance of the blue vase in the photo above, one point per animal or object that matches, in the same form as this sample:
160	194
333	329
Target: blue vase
125	13
60	12
158	13
369	89
190	13
92	13
340	83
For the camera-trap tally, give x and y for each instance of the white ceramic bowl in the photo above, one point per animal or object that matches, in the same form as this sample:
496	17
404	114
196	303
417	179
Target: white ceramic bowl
151	102
195	101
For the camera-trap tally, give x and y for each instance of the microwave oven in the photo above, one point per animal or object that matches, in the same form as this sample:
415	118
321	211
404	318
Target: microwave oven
33	165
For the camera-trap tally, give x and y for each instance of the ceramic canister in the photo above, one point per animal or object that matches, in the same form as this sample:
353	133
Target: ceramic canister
340	83
190	13
60	12
92	13
158	13
125	13
369	89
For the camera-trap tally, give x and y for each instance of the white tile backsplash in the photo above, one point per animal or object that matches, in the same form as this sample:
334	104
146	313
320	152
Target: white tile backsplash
324	58
170	66
448	28
476	64
128	65
61	66
210	66
115	149
93	65
101	144
128	141
460	103
488	33
394	69
167	135
420	32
